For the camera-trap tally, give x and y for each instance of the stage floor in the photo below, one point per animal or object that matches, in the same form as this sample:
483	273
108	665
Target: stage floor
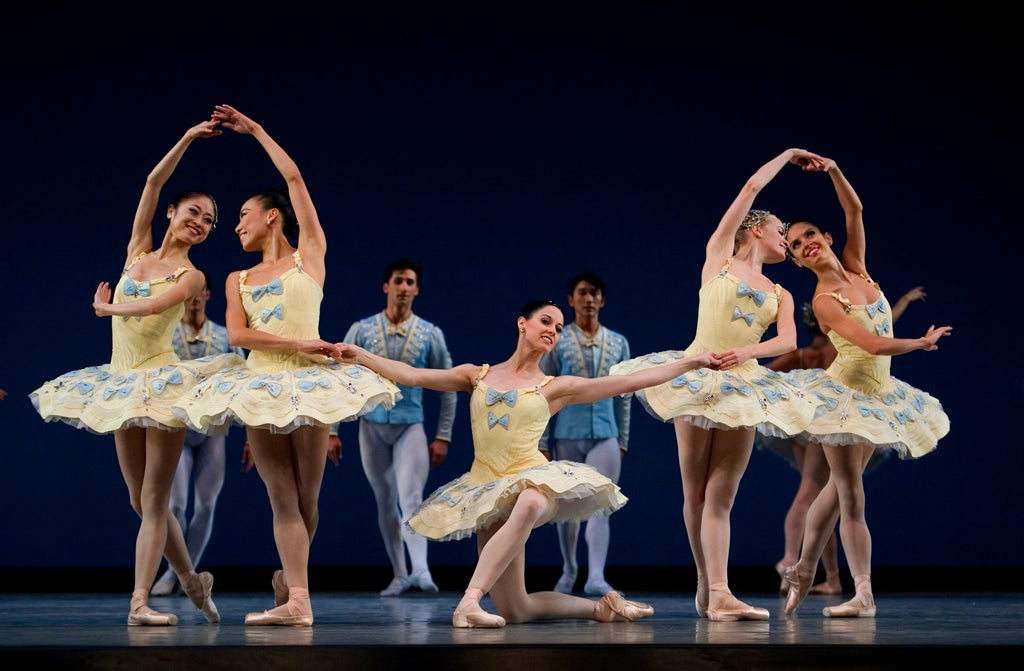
363	630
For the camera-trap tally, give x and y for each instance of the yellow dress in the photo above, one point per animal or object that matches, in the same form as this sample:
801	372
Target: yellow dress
144	378
507	427
730	314
280	391
863	403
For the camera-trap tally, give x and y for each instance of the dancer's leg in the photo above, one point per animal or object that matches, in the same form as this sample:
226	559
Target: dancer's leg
694	449
377	456
606	458
568	532
848	463
412	468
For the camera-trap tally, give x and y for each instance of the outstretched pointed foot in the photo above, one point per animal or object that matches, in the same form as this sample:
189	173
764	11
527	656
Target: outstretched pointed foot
198	587
613	607
799	586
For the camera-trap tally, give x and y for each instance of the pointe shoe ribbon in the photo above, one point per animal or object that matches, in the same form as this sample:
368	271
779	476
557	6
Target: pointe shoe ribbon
613	607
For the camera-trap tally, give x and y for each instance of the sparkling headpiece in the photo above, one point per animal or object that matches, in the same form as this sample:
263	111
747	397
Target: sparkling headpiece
755	218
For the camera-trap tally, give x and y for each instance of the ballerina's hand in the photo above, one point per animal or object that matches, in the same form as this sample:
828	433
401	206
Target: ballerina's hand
708	359
205	129
934	334
231	118
101	298
345	352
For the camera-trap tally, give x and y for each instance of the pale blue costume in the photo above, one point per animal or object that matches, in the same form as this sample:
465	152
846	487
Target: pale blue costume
393	445
594	433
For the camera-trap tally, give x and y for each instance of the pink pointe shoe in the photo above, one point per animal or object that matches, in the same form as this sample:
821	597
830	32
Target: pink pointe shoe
730	609
613	607
799	586
295	613
469	615
198	587
141	615
862	605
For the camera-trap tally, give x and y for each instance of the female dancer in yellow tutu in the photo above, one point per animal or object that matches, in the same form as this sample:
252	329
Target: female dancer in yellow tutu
716	413
133	395
865	407
511	487
288	393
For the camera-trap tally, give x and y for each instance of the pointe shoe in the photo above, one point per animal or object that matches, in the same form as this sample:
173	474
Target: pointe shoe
295	613
597	587
424	581
852	608
479	620
466	617
862	605
396	587
269	619
731	609
566	583
613	607
198	587
143	616
280	588
799	586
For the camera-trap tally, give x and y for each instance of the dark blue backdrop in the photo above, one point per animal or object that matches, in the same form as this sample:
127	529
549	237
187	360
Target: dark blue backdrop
508	149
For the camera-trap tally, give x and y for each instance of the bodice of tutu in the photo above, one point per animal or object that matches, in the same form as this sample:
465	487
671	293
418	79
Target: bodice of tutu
854	366
144	378
732	314
144	341
289	307
863	402
281	391
507	427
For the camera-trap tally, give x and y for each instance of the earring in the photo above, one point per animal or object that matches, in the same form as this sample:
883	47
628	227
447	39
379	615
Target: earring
522	330
268	221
